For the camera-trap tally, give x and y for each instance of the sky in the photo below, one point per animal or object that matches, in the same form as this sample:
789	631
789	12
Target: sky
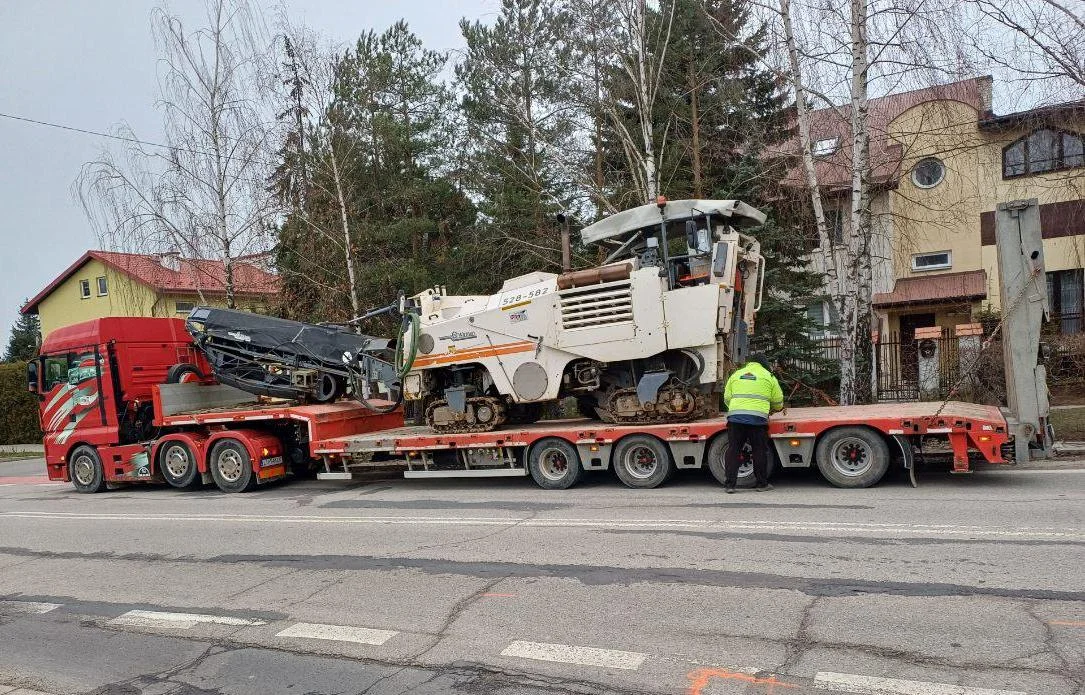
92	65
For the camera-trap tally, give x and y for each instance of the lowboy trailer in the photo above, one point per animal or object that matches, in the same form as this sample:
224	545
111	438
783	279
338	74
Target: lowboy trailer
852	446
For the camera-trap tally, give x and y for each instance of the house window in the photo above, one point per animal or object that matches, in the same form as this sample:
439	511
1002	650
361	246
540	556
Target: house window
184	307
84	289
1066	298
824	319
834	225
932	261
824	148
928	172
103	288
1041	151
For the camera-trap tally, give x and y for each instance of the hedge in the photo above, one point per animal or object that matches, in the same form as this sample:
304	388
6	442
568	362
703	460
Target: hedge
18	407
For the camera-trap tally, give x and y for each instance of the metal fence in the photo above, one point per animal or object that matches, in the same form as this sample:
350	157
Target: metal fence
898	365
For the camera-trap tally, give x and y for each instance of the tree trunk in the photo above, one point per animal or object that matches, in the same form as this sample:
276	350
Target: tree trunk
695	132
348	249
860	196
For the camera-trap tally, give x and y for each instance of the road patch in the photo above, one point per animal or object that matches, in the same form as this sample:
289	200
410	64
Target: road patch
872	685
30	607
180	621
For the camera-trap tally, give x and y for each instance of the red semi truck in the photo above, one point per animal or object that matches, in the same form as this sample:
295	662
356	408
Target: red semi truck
130	400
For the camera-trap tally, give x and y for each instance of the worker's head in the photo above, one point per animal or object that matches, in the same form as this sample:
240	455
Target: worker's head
758	358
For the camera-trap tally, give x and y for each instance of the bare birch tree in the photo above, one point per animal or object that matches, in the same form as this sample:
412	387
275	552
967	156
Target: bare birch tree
206	193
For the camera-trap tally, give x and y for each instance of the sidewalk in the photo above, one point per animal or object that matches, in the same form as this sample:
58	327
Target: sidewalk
36	449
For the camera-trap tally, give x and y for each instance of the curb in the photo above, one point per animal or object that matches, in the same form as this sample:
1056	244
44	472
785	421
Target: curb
22	449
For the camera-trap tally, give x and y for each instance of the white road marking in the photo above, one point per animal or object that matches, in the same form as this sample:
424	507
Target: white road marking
824	527
338	633
569	654
872	685
35	607
181	621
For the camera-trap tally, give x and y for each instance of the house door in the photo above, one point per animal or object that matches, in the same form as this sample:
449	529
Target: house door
909	357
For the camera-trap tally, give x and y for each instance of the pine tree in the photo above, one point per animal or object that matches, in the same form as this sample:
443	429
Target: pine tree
514	110
24	340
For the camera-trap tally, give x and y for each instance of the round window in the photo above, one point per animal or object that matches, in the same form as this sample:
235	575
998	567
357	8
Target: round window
928	172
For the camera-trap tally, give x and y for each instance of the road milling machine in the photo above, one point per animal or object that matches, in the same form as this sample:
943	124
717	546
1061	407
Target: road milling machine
646	337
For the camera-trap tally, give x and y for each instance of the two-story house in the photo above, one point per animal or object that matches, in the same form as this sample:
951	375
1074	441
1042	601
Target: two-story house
106	283
942	162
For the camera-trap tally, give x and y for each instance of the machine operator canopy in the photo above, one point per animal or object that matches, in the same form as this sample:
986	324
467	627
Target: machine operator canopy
740	214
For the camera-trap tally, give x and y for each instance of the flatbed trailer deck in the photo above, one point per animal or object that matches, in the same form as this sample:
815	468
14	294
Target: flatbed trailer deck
852	445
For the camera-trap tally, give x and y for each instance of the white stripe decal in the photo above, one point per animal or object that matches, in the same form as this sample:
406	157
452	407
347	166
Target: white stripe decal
569	654
35	607
871	685
181	621
338	633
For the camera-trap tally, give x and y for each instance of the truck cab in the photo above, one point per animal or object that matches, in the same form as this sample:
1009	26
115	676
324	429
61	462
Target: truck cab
94	384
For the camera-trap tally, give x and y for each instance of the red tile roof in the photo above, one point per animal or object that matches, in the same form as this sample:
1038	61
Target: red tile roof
935	289
205	275
834	171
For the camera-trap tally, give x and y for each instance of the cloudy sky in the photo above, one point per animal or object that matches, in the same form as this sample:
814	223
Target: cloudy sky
91	65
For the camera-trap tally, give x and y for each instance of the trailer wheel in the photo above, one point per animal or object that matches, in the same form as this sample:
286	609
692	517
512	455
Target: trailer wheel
231	466
178	466
745	478
183	373
554	464
852	457
85	469
642	461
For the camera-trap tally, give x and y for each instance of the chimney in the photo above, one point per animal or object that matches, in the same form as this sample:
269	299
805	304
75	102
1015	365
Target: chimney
985	84
170	260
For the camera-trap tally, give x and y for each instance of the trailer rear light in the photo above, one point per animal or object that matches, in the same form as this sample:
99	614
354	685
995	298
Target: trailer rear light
985	437
593	447
795	442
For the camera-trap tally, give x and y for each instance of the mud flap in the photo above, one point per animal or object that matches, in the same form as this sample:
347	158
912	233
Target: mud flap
909	459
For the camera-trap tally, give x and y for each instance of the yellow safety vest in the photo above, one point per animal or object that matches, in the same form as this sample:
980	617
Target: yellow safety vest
752	390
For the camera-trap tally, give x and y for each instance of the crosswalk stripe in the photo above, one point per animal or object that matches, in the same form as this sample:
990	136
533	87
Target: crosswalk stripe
570	654
872	685
182	621
36	607
338	633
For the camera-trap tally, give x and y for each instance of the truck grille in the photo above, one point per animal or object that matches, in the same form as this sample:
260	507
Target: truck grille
597	305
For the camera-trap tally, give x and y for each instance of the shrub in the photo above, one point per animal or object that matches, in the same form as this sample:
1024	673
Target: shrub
19	422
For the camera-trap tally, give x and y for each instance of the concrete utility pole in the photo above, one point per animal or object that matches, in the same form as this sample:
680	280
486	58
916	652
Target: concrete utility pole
1023	292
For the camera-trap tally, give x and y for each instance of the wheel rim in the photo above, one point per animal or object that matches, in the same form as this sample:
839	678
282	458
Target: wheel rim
554	464
640	461
177	461
851	456
83	469
230	465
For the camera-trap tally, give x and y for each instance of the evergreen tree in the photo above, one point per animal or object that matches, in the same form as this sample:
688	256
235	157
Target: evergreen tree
516	116
24	340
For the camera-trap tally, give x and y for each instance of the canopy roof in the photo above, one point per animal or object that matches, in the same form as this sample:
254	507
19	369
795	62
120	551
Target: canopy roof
633	219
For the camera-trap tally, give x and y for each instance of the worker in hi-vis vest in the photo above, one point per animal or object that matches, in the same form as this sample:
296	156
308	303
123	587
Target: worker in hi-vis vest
752	392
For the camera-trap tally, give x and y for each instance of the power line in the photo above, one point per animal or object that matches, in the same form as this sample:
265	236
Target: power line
83	130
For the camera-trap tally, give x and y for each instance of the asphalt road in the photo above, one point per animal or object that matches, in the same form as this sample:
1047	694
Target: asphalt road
965	586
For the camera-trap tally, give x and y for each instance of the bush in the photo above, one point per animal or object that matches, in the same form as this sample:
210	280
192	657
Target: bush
19	423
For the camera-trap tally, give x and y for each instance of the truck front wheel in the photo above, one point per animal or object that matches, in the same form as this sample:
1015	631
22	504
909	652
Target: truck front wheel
231	466
852	457
85	469
178	466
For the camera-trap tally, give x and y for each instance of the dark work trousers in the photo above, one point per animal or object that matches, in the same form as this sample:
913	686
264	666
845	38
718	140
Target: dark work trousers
738	435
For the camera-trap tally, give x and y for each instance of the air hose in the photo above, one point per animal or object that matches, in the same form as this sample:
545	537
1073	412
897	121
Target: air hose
405	355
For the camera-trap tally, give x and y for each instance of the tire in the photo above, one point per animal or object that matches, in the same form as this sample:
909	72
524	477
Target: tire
642	461
183	373
231	466
714	458
554	464
329	388
852	457
85	470
178	465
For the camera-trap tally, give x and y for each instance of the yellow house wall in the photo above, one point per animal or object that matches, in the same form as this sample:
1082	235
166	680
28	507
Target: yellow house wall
65	304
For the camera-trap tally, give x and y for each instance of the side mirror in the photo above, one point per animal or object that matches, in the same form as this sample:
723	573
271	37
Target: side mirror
32	376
